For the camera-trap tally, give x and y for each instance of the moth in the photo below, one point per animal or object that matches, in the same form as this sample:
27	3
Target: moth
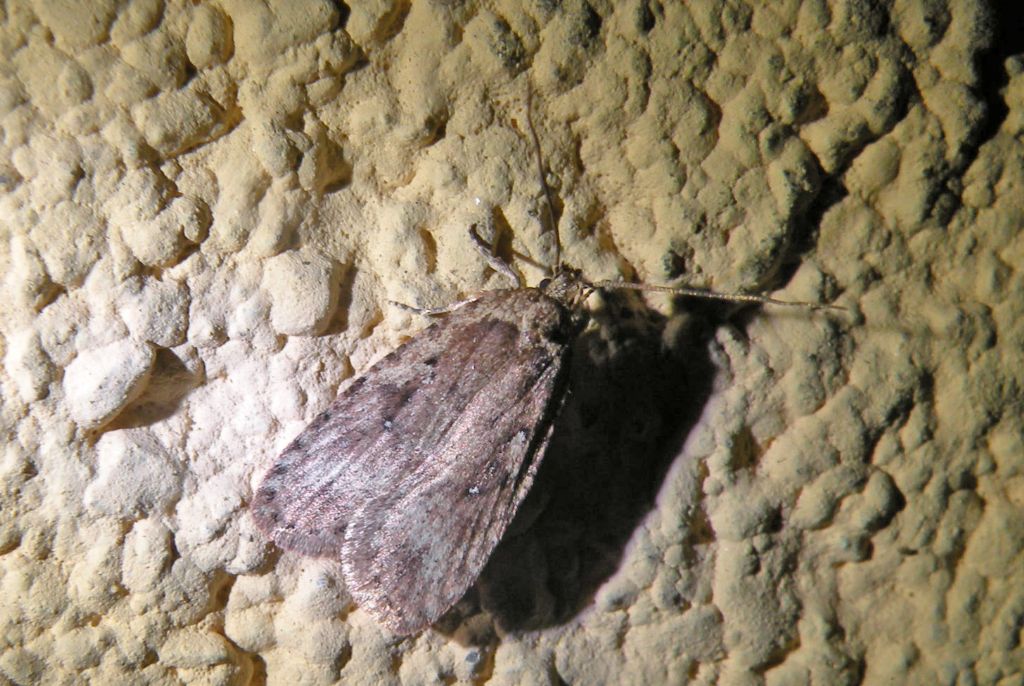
412	475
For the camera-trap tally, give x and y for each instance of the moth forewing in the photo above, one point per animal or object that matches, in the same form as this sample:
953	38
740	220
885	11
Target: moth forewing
413	474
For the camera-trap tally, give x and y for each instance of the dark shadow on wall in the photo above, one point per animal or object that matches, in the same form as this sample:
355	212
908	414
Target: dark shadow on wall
633	400
1007	41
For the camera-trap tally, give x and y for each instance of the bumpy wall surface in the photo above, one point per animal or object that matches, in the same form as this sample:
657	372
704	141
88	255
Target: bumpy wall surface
208	209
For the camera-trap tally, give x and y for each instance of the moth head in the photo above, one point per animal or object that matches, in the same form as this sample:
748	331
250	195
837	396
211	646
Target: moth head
568	287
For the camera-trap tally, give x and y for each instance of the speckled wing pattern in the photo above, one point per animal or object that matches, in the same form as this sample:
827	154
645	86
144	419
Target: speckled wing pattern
413	473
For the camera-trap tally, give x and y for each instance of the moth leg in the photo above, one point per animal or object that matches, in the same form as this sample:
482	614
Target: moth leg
433	311
493	261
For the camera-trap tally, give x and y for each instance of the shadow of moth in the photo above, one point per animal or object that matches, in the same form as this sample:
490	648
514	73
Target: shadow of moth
412	475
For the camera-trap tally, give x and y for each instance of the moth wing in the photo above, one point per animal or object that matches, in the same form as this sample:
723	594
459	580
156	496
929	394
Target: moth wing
411	552
348	452
377	434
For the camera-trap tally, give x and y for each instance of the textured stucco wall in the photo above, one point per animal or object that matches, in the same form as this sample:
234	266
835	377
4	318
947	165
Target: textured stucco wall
207	207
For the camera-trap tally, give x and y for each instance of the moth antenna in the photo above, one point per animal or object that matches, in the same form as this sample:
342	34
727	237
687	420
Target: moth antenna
548	206
712	295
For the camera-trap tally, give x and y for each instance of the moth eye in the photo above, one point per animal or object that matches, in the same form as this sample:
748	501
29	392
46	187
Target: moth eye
544	283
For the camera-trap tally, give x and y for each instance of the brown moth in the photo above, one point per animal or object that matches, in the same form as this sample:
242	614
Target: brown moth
411	476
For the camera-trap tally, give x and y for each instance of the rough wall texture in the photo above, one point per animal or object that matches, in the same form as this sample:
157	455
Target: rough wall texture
206	208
